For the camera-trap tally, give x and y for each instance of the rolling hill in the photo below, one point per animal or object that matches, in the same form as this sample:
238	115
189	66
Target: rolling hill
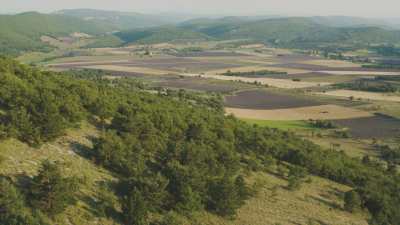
22	32
294	31
122	20
161	34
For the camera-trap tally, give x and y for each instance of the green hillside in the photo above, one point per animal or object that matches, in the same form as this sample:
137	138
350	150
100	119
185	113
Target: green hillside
120	20
22	32
292	32
161	34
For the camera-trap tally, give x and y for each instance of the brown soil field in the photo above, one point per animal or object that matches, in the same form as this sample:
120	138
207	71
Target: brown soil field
199	84
259	99
128	69
378	126
168	64
209	54
322	112
365	95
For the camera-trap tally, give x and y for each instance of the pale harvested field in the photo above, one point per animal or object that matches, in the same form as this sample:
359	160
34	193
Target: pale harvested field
128	69
363	95
322	112
279	83
331	63
372	73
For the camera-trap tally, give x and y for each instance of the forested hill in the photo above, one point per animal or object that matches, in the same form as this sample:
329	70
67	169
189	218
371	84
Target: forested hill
170	152
121	20
22	32
296	32
292	32
160	35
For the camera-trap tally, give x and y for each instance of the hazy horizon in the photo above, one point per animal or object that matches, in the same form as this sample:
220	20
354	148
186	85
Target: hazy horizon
354	8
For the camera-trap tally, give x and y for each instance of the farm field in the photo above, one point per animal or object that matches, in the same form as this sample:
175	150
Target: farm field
279	83
322	112
377	126
364	95
362	72
200	84
262	99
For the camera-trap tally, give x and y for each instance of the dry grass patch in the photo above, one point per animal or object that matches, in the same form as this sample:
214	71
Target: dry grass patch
323	112
318	202
363	95
22	160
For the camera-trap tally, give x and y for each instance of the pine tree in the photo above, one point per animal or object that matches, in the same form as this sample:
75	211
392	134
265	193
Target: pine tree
135	209
50	191
352	201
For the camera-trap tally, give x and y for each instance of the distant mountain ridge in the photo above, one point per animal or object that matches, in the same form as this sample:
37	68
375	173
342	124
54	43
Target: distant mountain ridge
122	20
22	32
294	31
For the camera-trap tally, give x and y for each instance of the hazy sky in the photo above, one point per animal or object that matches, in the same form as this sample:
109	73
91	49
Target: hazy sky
365	8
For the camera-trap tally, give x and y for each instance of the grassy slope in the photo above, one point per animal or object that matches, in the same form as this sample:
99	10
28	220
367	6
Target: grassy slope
21	160
319	200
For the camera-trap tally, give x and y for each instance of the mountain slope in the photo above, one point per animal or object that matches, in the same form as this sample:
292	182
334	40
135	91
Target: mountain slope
293	32
162	34
22	32
119	20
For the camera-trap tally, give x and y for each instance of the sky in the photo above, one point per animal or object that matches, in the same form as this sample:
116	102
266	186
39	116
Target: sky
362	8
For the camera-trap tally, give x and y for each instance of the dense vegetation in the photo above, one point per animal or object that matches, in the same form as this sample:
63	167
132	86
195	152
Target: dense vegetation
22	32
120	20
259	73
171	151
292	32
160	35
378	84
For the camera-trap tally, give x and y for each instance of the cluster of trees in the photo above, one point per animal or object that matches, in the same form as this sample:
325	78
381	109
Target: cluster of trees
389	154
253	73
382	66
47	194
386	50
172	151
322	124
372	85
